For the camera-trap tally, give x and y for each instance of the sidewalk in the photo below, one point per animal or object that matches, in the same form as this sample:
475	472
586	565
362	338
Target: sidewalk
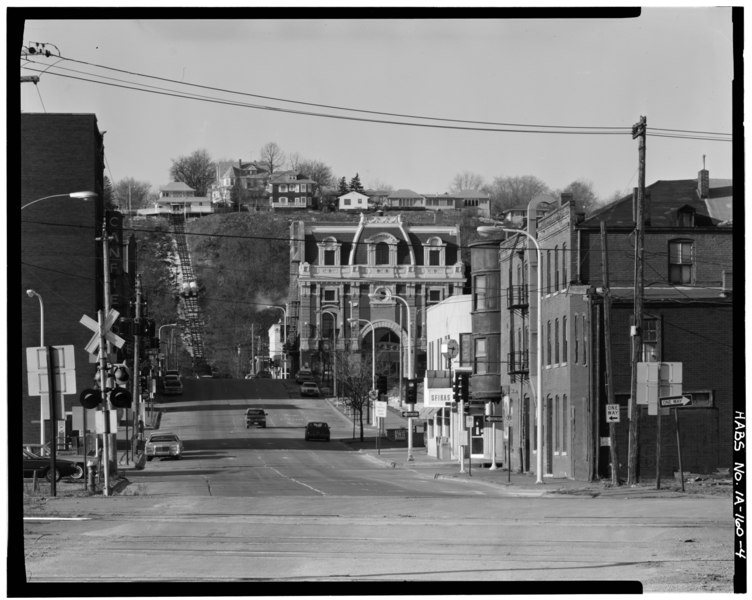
395	455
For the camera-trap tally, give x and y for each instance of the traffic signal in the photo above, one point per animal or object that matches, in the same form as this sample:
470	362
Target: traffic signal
90	398
411	392
121	398
465	386
285	348
456	388
381	384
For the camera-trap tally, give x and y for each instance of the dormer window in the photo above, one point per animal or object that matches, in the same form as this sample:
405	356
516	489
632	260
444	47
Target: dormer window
685	217
382	249
434	252
329	252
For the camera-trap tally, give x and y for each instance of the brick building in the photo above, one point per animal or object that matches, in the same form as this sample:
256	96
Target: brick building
60	259
687	301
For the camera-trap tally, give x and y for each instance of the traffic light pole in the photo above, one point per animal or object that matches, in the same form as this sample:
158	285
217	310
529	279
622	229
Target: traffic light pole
103	348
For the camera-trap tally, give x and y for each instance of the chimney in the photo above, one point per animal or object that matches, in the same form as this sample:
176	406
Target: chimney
703	184
566	198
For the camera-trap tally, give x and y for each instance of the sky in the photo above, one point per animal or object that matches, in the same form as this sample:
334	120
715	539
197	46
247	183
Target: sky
672	65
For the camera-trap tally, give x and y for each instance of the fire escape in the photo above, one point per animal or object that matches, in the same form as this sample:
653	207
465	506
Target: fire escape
518	358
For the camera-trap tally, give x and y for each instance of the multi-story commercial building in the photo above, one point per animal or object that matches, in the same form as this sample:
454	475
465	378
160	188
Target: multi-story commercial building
381	271
687	301
60	257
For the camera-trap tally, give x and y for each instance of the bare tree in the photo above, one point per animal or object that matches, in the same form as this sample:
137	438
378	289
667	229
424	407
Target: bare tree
378	184
272	157
196	170
508	192
354	375
317	171
583	194
129	193
466	181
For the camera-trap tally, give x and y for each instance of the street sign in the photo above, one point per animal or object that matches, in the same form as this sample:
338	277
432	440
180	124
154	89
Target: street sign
612	413
450	349
676	401
63	363
410	413
380	409
93	346
373	395
494	419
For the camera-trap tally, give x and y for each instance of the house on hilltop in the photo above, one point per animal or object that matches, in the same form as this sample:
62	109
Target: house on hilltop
178	198
290	190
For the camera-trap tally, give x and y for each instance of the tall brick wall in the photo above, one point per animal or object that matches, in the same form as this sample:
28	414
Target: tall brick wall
60	153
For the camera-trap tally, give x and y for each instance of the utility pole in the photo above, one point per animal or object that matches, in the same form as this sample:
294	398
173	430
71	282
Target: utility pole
638	131
137	327
607	344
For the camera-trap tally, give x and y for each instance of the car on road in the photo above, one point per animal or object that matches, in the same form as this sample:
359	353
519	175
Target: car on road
303	375
309	388
255	416
172	386
41	464
317	430
164	444
263	375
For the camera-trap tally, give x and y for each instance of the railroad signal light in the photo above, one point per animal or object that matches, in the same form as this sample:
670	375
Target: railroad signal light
90	398
121	398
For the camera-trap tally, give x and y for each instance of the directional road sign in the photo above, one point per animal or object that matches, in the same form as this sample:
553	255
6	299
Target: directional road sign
410	413
612	413
676	401
494	419
93	346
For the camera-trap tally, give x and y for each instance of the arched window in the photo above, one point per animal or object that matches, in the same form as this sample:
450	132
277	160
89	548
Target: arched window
382	253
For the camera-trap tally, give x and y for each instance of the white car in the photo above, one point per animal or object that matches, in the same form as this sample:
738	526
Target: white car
166	445
309	388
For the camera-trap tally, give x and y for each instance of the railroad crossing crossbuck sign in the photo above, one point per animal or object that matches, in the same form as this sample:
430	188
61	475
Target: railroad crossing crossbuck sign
93	346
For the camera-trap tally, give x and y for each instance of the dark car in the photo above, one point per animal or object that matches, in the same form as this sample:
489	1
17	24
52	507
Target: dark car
263	375
41	464
172	386
255	416
303	375
317	431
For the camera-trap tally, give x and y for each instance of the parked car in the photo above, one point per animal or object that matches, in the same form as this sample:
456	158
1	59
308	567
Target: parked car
304	375
164	444
255	416
263	375
41	464
172	387
309	388
317	431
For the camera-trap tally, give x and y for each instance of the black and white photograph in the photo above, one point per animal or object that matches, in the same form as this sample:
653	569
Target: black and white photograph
349	300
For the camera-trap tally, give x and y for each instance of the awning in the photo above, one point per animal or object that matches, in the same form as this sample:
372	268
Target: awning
427	412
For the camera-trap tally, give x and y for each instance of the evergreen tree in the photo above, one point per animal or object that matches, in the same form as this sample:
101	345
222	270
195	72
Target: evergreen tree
343	189
355	185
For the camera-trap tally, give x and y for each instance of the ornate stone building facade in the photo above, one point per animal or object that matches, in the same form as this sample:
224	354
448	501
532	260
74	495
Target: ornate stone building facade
382	272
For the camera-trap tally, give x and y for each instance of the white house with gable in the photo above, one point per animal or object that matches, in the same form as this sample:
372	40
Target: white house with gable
353	201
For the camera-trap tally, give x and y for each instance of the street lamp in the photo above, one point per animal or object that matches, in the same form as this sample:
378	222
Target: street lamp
81	195
159	337
490	229
410	372
334	318
284	338
373	349
31	293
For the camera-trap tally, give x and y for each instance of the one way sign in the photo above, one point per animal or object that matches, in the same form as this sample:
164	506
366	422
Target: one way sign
676	401
93	346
